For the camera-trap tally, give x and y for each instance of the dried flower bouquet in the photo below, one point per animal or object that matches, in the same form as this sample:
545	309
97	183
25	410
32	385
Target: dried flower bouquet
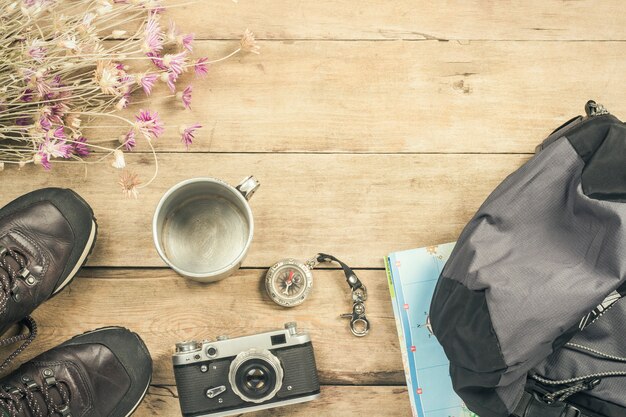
67	63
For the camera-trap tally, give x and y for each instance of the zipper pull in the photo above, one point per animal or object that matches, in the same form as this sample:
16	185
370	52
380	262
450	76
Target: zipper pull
594	109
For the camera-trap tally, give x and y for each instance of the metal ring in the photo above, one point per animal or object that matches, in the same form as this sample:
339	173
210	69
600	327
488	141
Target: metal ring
363	322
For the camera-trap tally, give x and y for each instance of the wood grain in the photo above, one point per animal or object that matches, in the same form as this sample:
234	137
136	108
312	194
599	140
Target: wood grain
357	207
379	401
406	19
164	309
391	97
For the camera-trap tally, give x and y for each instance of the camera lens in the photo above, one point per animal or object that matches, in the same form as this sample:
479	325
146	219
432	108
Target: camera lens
256	376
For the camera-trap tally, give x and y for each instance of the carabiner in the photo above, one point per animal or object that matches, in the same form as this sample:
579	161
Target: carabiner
359	324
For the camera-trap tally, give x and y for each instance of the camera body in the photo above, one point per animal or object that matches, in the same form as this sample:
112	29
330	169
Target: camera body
249	373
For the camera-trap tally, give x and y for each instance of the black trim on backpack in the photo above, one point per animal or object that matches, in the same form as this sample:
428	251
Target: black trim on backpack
601	145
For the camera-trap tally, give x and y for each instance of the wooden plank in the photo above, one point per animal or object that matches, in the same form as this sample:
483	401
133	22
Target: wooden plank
357	207
442	97
341	401
164	308
407	19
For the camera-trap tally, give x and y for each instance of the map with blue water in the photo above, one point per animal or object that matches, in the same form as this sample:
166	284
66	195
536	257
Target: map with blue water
412	276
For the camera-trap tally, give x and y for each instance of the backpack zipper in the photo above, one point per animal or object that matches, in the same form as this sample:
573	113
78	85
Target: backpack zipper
592	110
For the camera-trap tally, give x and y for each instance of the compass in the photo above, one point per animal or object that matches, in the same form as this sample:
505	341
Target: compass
288	282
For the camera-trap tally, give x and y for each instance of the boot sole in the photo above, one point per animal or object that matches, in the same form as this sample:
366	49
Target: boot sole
83	258
143	396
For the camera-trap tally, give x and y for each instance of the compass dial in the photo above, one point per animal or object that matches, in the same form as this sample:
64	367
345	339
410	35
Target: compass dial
288	282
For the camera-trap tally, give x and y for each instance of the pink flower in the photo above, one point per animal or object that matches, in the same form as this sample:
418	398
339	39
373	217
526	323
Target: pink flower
45	124
59	133
55	112
175	63
23	121
123	102
149	124
27	95
147	82
54	146
171	81
187	41
187	133
36	51
152	36
42	158
201	67
186	97
80	147
129	140
157	60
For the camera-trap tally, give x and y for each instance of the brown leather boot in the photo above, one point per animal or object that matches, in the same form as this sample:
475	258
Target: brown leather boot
45	237
102	373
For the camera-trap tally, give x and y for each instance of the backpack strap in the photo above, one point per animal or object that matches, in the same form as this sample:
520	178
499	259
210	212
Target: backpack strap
531	406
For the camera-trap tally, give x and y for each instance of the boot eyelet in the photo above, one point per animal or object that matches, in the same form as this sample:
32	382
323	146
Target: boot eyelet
15	291
65	411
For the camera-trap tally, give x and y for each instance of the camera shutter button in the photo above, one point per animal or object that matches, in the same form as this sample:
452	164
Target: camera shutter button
186	347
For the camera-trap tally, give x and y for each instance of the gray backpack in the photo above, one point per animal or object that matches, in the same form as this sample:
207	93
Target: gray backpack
527	308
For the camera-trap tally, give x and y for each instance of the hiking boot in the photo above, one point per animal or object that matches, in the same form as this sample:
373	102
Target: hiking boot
45	237
102	373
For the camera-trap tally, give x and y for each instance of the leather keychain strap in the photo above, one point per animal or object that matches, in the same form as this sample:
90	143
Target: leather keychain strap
359	324
353	281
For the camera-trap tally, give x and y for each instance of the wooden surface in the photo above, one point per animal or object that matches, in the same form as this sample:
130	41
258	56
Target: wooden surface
373	127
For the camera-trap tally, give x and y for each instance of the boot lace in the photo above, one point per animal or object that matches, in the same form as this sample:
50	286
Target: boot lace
18	399
8	289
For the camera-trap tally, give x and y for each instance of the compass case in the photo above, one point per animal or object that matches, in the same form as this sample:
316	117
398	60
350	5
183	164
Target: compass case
545	249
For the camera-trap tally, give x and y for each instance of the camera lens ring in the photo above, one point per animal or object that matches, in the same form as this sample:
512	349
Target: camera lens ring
256	375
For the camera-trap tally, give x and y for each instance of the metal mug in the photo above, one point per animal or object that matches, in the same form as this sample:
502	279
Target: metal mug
203	227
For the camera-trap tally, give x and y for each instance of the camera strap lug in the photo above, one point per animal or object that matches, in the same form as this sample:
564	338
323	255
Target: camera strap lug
359	324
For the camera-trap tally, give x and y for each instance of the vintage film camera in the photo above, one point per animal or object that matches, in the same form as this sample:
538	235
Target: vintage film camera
249	373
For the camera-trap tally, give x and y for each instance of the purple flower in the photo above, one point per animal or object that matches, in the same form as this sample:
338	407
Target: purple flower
55	112
152	36
59	133
80	147
187	41
201	67
54	146
175	63
43	160
186	97
157	60
147	82
56	82
123	102
171	81
187	133
45	124
149	124
129	140
27	95
23	121
37	52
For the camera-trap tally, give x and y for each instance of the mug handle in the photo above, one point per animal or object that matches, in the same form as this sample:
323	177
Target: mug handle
248	186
